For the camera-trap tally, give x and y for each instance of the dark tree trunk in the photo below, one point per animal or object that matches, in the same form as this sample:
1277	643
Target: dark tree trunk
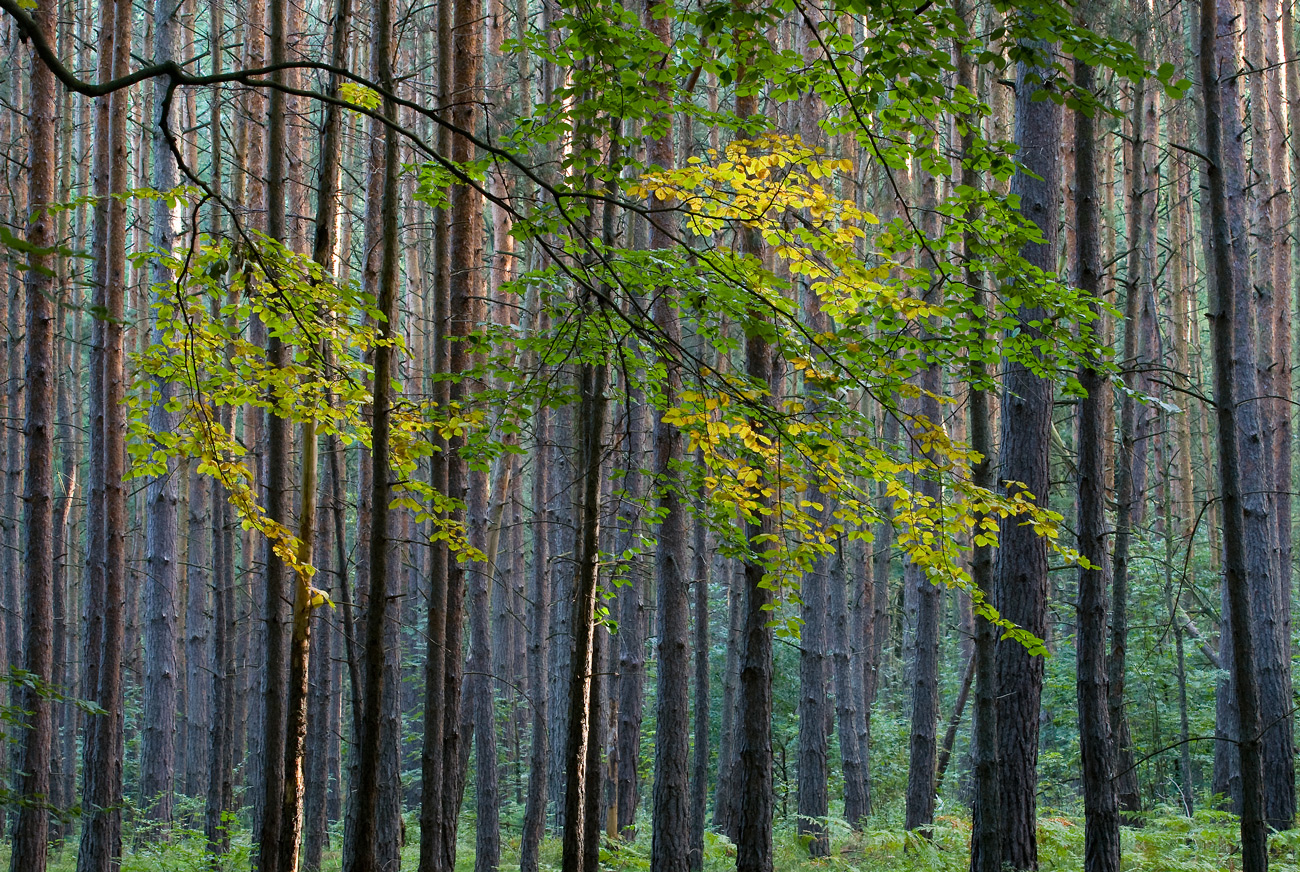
700	771
539	595
271	840
813	800
432	849
578	780
158	754
365	853
753	753
924	668
1101	812
30	846
1020	574
1131	462
631	635
1225	174
479	699
101	832
670	818
1264	447
466	313
847	716
198	667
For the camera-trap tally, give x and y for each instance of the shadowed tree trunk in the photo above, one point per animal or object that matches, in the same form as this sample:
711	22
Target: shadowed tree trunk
158	754
1020	574
1131	461
1228	257
700	773
539	596
1264	446
670	817
370	735
1101	813
101	832
30	846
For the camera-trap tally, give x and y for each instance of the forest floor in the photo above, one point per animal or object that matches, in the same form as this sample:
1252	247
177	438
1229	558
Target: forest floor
1167	842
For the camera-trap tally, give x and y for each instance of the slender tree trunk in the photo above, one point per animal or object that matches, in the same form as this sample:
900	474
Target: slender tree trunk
466	312
1265	450
670	818
198	667
30	846
1101	813
847	715
578	780
364	856
631	632
1132	451
304	602
158	756
432	824
106	539
538	633
1225	173
700	772
270	830
954	722
924	666
1020	575
986	812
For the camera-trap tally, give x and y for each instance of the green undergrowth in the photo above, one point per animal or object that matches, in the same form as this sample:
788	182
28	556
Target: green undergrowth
1167	842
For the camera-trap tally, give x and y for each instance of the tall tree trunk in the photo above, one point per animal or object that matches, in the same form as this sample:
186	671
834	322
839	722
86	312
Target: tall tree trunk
158	755
847	716
198	667
670	816
1131	461
700	751
30	846
578	779
438	617
986	811
364	855
631	631
304	602
466	312
539	595
106	514
1101	814
924	666
1228	256
1266	450
270	829
1020	575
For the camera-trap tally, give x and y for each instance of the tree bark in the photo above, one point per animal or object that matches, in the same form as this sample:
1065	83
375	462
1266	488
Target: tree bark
847	716
670	818
1020	574
1228	256
101	832
158	755
578	780
30	846
1131	462
364	856
1101	812
700	772
539	596
1266	446
274	738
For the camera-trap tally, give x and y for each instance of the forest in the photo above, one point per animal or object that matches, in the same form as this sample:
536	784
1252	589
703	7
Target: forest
677	435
